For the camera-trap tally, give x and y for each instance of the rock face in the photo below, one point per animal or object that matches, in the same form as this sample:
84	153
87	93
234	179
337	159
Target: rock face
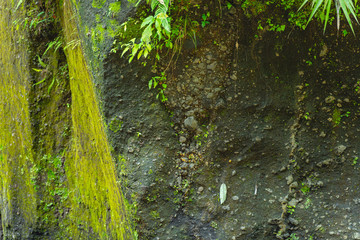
252	109
251	113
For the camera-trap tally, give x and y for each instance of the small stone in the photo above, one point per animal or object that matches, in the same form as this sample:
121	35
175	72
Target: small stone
212	66
223	48
340	149
200	189
235	198
356	235
323	51
191	123
233	173
210	95
269	190
293	202
227	208
329	99
217	90
320	183
182	139
293	221
293	185
318	227
326	162
184	165
289	179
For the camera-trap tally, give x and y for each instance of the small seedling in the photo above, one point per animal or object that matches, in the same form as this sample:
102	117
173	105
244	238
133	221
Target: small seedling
290	209
307	115
204	21
228	5
293	237
355	161
305	189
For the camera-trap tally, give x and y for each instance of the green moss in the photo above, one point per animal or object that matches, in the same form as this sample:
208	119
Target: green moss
98	3
17	193
336	117
96	201
115	124
114	8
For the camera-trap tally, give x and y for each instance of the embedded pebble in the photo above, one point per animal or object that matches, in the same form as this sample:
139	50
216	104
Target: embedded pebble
289	179
235	198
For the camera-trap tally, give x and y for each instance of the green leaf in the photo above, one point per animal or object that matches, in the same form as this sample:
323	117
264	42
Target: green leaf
19	3
315	8
150	83
303	4
328	7
223	192
161	11
148	46
147	34
154	3
347	6
148	20
40	82
41	62
165	24
37	70
125	50
155	83
140	53
51	84
158	25
131	58
135	49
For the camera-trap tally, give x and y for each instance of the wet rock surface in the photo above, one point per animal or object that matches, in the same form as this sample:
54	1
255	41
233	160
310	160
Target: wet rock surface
282	135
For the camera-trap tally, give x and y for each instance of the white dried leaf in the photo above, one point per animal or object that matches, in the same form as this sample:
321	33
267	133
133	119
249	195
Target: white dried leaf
223	191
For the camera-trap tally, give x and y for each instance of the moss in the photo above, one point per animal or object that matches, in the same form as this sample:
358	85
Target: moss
98	3
33	186
115	124
17	193
336	117
96	201
114	8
